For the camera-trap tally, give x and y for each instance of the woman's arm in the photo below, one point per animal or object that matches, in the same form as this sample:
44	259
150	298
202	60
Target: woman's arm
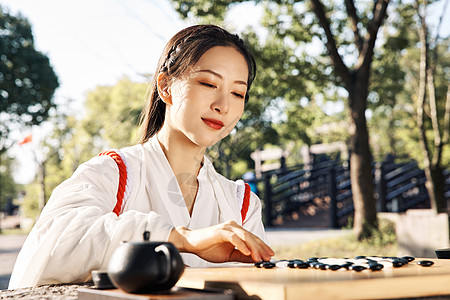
228	241
221	243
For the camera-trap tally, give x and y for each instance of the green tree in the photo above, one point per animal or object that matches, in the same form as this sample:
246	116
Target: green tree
27	80
411	83
427	104
355	79
346	31
112	113
8	188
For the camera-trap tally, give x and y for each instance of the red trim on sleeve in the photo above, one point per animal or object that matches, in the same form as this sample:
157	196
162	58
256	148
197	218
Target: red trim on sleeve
246	202
122	178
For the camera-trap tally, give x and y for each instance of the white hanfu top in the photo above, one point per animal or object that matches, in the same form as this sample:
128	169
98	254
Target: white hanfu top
78	231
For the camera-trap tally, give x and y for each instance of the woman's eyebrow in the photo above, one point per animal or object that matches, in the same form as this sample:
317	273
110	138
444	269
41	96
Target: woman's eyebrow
220	76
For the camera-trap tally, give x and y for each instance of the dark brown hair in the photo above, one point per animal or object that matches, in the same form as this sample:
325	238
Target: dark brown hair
182	51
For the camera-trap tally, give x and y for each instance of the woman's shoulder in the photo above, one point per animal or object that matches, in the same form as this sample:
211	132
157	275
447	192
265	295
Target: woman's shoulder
134	151
130	153
111	160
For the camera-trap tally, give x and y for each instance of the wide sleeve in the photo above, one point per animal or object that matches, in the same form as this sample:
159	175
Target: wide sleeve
253	221
77	231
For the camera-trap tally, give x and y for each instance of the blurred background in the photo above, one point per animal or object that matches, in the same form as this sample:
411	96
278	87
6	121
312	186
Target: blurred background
347	126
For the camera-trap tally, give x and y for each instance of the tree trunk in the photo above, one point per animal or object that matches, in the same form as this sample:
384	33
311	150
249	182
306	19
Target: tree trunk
435	185
361	161
41	179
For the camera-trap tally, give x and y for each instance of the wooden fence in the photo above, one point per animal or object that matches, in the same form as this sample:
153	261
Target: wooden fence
398	186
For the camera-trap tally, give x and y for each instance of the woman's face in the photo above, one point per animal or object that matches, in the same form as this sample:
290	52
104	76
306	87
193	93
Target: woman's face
207	102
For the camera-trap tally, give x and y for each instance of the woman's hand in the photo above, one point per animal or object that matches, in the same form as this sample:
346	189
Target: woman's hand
221	243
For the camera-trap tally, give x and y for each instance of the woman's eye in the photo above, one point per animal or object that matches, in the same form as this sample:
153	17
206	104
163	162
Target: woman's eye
238	95
207	84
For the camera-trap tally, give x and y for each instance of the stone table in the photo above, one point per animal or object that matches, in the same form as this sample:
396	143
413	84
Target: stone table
51	292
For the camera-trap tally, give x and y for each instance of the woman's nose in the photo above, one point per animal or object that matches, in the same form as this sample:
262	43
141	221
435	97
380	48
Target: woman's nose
222	103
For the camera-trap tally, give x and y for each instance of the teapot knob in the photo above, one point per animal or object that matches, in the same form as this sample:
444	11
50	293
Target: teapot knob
146	236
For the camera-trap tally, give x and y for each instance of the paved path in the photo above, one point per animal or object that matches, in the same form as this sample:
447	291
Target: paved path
9	249
10	245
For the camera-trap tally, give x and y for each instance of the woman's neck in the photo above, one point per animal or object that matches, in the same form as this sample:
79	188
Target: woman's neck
185	159
184	156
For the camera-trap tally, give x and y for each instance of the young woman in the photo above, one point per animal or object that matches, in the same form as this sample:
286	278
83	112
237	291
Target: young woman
164	184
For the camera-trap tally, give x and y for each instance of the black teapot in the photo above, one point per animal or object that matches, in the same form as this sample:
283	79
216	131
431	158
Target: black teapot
143	267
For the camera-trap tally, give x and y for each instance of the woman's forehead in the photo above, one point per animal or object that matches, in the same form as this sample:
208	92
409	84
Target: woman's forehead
223	60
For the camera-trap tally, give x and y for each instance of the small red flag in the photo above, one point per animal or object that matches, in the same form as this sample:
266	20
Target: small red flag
27	139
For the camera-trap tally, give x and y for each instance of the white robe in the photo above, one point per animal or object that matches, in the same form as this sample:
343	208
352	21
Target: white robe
77	231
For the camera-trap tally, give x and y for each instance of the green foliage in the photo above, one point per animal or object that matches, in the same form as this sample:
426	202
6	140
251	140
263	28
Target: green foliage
393	94
56	149
202	8
27	80
30	205
394	90
14	231
113	112
8	188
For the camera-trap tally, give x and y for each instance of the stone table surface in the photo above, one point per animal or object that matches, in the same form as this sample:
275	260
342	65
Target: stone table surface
53	292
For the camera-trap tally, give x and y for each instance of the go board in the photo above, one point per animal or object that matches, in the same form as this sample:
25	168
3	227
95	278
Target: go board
249	282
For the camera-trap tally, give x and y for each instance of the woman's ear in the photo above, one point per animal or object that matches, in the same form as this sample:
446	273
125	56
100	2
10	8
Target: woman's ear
162	82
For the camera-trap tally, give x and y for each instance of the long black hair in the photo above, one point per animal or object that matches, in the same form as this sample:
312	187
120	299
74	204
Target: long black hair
182	51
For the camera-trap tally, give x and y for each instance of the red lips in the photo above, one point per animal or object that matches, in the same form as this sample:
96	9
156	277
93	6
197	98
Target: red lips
213	123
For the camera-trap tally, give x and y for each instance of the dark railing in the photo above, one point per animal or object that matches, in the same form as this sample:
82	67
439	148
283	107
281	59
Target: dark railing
398	187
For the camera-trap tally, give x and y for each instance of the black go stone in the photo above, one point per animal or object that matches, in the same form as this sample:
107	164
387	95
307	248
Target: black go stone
396	263
347	265
294	262
268	265
320	266
403	260
360	257
375	266
302	265
425	263
357	268
312	259
333	267
291	264
259	264
408	258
